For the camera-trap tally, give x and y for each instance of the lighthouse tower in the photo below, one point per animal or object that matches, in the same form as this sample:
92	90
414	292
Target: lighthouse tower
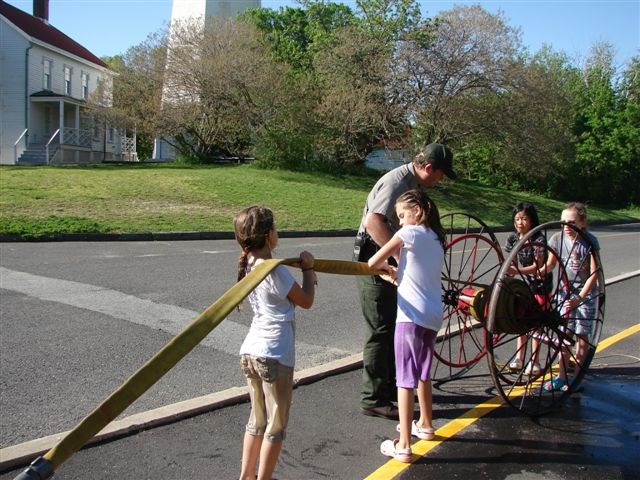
185	10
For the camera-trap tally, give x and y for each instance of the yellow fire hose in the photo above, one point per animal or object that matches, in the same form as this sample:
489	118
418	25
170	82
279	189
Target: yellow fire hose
43	467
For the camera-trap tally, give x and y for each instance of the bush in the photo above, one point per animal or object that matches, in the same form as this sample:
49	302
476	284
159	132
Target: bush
31	229
286	149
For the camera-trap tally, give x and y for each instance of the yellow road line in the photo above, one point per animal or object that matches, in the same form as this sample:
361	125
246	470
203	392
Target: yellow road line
607	342
422	447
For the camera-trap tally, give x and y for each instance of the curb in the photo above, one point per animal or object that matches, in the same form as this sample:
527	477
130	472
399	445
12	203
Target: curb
162	236
22	454
219	235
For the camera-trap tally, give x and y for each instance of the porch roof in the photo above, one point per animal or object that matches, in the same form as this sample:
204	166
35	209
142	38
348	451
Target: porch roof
46	95
41	30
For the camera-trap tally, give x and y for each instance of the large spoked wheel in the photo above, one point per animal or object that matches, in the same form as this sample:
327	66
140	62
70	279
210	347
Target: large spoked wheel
542	335
471	265
457	223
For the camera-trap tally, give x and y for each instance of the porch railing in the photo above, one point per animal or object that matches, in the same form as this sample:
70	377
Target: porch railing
128	149
76	136
51	140
24	136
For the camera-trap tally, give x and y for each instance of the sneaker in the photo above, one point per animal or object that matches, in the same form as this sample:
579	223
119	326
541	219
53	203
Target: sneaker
516	365
533	369
555	385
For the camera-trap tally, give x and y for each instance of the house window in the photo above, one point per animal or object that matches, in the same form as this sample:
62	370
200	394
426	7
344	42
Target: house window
97	131
46	79
85	85
67	80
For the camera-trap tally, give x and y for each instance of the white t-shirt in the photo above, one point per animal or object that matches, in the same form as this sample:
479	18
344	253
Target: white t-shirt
272	331
419	290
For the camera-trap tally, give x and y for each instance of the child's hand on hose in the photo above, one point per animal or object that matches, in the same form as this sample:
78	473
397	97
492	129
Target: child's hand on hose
306	265
391	275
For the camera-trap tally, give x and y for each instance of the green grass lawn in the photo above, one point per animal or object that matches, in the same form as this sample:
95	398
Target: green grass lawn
37	201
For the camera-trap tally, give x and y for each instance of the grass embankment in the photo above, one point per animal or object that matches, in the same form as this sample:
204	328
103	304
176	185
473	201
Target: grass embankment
36	202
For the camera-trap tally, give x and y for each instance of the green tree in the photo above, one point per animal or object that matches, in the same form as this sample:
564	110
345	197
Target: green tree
295	35
362	104
292	138
605	169
630	84
344	62
465	54
221	88
137	89
389	21
532	120
358	107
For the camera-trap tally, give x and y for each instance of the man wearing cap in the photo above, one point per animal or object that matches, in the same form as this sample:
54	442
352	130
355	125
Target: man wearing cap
378	297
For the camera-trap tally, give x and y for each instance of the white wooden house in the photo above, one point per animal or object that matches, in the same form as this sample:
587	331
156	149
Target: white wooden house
384	158
46	79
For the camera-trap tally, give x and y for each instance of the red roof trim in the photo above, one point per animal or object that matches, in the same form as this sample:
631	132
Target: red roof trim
37	28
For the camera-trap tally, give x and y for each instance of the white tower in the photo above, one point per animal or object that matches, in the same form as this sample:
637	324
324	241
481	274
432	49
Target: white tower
184	10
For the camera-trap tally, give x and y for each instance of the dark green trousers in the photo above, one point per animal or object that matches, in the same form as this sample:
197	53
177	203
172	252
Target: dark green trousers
378	300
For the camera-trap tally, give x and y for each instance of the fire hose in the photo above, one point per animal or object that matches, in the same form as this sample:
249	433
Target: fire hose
157	366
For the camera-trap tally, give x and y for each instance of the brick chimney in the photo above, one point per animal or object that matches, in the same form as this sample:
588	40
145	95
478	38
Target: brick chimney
41	9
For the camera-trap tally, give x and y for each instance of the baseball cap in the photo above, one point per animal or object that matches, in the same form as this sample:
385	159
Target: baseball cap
441	157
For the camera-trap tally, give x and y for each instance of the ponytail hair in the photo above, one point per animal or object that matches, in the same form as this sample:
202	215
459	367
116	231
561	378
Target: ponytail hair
252	227
428	216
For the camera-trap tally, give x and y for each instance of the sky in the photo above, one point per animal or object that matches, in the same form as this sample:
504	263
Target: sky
110	27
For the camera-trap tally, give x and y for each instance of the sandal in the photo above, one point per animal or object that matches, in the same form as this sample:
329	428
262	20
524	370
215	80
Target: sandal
389	449
516	365
556	385
533	369
421	433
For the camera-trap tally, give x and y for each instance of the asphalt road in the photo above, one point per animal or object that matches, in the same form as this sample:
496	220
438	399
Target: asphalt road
594	435
79	318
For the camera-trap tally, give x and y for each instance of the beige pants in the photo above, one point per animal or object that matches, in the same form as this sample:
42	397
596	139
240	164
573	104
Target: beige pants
271	389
